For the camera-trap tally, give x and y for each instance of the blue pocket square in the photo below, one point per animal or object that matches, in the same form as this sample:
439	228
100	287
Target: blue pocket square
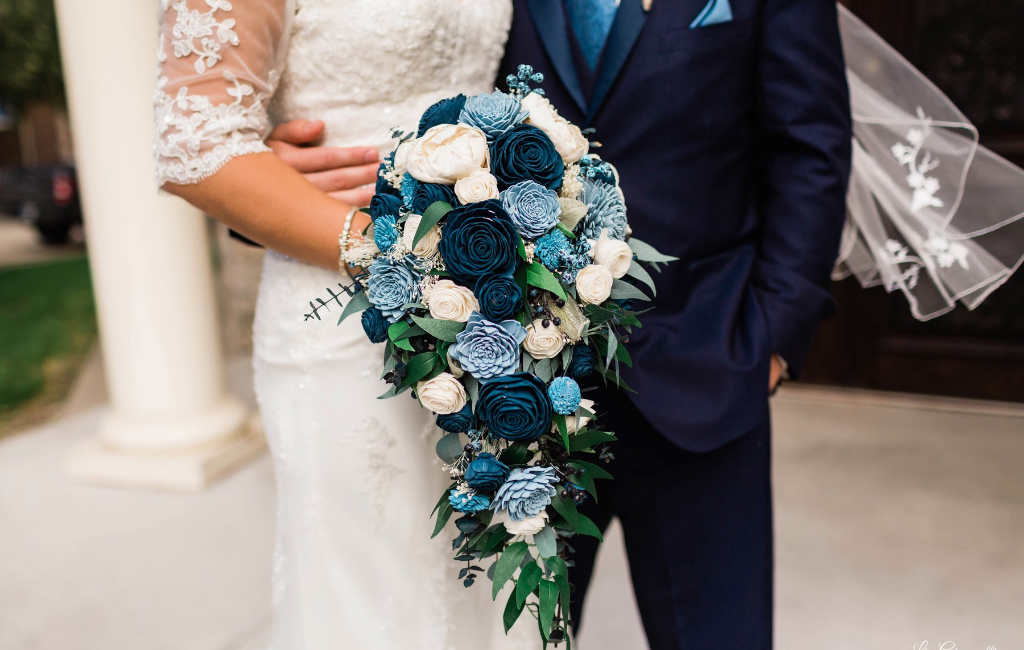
717	11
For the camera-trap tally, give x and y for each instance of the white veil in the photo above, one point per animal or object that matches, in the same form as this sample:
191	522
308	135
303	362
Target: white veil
930	211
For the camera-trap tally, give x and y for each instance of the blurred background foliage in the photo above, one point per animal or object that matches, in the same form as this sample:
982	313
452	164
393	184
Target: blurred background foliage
30	68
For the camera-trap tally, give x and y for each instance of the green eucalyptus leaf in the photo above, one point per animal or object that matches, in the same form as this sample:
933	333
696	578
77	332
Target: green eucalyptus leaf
443	515
622	290
548	603
512	611
507	565
444	330
359	302
539	276
529	578
640	273
588	439
647	253
449	448
431	216
545	542
419	367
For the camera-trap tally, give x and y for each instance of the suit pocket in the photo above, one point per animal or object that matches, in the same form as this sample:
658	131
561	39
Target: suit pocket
699	39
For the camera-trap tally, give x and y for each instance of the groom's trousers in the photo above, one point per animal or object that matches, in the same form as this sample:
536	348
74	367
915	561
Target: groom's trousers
698	530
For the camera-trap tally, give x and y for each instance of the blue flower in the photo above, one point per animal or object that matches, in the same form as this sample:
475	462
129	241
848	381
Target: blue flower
375	326
486	473
525	153
553	249
468	502
533	208
582	364
383	205
391	286
477	239
605	209
500	296
445	111
385	232
515	407
409	185
565	395
459	422
526	492
426	194
493	114
487	350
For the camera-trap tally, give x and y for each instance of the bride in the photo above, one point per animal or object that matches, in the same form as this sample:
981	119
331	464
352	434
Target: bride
354	566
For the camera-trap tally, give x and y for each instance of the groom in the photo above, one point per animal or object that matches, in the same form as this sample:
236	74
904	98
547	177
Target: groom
729	123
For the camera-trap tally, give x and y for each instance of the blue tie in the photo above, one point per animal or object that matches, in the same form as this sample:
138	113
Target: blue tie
591	21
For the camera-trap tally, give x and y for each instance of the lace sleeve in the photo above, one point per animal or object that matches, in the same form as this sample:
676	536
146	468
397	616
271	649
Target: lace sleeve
217	68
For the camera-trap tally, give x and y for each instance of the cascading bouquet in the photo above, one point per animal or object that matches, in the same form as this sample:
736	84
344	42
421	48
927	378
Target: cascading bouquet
499	270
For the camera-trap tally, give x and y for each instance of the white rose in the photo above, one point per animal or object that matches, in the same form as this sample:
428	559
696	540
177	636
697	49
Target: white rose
449	301
594	284
528	526
442	394
614	255
570	422
478	186
568	139
447	153
402	158
426	247
543	342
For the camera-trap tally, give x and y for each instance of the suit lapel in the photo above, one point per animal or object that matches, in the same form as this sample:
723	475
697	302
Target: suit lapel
549	20
629	22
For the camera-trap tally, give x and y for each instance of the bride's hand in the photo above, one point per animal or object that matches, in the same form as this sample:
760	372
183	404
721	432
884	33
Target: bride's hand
347	174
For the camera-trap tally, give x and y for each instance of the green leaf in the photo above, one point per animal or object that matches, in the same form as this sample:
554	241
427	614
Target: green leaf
622	290
564	595
647	253
587	527
449	447
529	578
431	216
472	388
444	330
415	330
576	521
360	302
590	438
557	566
443	500
545	542
563	429
613	344
512	611
548	603
565	231
405	344
640	273
517	454
538	276
442	517
596	471
506	565
419	367
393	392
496	539
598	315
521	249
397	329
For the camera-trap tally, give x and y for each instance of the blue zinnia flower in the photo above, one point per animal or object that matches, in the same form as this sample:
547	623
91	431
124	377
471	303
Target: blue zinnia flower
552	249
468	502
565	395
385	232
526	492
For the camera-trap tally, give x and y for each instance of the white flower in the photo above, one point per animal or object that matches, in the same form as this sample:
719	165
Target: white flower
478	186
426	247
442	394
570	422
447	153
568	139
449	301
402	158
614	255
543	342
594	284
528	526
571	183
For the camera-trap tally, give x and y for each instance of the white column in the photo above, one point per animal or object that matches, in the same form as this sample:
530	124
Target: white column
171	421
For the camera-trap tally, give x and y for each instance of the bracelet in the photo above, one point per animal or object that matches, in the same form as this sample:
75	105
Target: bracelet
343	240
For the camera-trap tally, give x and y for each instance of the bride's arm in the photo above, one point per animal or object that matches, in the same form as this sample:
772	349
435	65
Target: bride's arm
219	65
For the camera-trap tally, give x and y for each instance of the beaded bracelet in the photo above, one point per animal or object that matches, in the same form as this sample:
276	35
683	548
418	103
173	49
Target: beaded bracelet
343	240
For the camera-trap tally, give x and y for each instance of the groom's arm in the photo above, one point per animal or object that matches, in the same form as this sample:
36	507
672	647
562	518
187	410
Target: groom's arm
803	165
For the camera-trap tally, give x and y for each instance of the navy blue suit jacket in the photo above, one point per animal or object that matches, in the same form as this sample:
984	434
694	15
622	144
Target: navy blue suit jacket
733	144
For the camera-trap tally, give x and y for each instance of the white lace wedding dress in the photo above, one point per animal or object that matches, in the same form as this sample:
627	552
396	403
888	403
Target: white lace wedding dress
354	567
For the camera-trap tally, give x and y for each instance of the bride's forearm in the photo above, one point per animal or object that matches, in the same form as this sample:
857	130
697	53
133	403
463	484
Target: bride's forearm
270	203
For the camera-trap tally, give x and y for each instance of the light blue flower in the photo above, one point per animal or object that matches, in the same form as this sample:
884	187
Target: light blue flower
391	286
553	249
486	349
493	113
468	502
565	395
526	492
385	232
534	208
605	209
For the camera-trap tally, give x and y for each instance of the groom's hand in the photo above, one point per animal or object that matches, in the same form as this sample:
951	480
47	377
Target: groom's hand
347	174
776	373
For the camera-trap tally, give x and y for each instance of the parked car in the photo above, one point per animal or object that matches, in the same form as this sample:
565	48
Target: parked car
45	196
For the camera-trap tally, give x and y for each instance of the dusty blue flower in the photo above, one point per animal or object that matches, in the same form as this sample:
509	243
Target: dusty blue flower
493	113
385	232
526	492
391	286
486	473
565	395
445	111
459	422
515	407
525	153
534	208
374	324
582	364
468	502
486	349
553	249
605	209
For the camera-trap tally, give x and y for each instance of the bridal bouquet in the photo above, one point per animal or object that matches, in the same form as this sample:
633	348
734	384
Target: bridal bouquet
500	272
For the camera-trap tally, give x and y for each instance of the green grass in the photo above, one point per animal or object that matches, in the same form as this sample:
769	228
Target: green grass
47	325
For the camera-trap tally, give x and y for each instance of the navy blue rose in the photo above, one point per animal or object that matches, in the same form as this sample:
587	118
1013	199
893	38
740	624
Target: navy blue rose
477	239
375	325
385	205
525	153
446	111
426	194
582	364
493	113
459	422
500	296
515	407
486	473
